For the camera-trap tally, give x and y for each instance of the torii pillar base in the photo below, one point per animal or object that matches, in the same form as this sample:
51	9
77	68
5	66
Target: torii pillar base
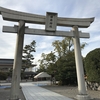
83	97
14	99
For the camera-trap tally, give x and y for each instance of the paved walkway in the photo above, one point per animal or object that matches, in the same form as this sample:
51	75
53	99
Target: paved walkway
33	92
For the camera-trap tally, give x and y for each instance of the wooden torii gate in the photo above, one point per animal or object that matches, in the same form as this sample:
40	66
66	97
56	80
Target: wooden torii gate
51	21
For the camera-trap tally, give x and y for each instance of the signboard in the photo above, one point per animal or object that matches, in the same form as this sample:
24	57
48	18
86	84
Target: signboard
51	21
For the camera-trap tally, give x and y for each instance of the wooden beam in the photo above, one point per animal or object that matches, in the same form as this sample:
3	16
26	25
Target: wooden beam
43	32
12	15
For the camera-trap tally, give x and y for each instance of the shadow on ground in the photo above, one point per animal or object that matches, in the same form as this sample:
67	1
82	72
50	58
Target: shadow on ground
5	94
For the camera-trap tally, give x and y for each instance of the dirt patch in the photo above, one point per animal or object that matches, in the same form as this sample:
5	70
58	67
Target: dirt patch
72	91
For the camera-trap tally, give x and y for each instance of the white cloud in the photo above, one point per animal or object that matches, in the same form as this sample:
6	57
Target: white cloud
65	8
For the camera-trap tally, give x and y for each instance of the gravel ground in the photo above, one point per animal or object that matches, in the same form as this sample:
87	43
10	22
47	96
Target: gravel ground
71	92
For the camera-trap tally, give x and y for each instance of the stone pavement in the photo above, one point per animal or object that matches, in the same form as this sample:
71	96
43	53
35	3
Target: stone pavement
33	92
5	94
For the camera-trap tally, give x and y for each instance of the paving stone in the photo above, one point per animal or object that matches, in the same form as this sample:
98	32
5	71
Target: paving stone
33	92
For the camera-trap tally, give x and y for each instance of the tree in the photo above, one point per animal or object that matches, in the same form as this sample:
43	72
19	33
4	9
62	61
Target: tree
47	60
63	66
27	58
62	47
92	65
3	75
66	70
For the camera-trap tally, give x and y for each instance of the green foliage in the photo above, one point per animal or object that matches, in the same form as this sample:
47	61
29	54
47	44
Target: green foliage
66	69
27	58
62	47
3	75
47	60
92	65
60	63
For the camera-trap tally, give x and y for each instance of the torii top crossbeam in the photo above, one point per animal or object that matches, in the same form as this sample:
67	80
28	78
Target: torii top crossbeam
12	15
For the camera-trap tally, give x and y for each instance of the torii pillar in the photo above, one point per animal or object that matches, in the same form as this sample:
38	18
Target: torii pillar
79	67
15	87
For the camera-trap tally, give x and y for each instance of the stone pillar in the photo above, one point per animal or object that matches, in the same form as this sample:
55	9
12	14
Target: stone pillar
16	75
79	66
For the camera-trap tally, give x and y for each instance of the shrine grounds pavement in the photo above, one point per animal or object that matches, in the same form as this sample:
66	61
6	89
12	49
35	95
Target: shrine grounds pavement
68	91
5	94
71	91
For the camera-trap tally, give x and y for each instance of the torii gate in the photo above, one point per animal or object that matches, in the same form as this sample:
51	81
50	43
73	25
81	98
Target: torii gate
51	21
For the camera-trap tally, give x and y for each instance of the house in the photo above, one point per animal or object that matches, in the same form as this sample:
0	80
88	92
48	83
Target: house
6	64
42	76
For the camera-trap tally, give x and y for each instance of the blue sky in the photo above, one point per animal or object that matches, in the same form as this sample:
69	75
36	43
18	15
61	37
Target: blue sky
64	8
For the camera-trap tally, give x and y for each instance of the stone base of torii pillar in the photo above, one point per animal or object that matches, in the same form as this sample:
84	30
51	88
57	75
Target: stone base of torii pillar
83	97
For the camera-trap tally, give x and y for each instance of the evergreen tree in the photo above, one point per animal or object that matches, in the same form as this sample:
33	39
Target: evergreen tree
27	58
92	65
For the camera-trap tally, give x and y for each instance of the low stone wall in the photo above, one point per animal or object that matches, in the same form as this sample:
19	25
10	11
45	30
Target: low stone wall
93	86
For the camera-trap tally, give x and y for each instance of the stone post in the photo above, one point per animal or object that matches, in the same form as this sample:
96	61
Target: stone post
15	85
79	66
